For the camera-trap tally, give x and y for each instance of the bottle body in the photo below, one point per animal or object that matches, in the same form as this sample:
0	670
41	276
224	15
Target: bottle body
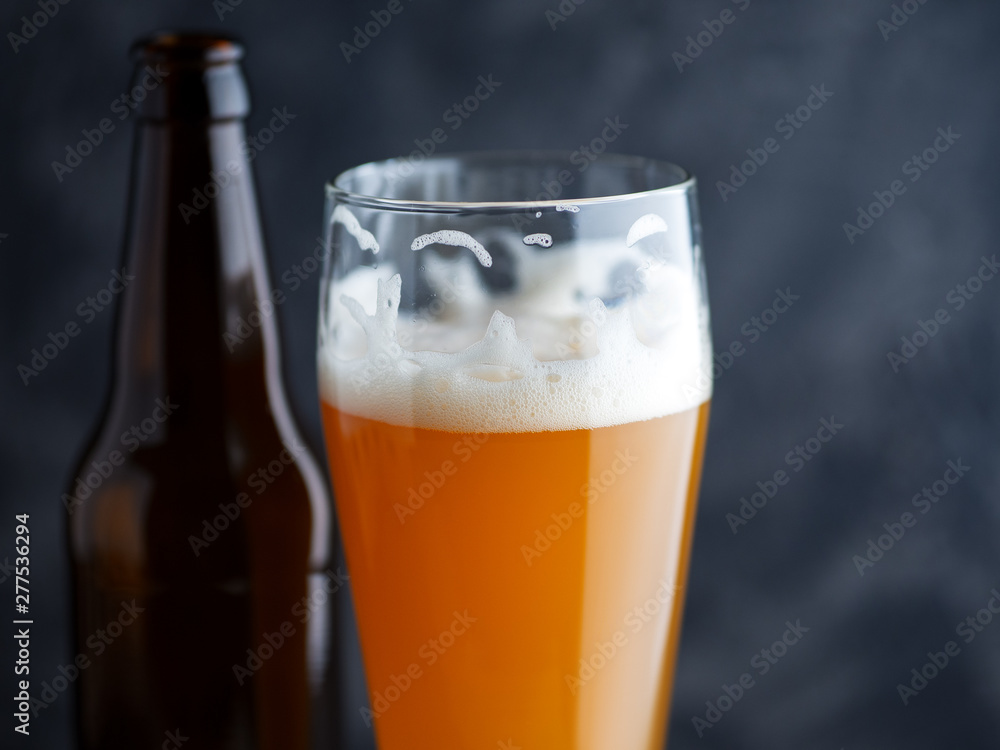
202	562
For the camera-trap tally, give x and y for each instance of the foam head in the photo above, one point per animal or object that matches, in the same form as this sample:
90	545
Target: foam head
593	334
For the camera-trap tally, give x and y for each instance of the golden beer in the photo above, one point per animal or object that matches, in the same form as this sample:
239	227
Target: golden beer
564	552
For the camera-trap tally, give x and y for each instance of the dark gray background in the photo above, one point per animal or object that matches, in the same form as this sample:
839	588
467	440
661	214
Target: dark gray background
826	357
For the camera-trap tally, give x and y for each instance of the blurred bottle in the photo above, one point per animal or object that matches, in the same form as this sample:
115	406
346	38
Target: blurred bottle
200	525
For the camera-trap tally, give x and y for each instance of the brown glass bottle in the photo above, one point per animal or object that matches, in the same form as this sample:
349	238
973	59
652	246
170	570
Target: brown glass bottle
204	577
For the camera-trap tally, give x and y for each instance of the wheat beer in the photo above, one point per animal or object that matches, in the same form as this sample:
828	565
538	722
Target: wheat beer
517	515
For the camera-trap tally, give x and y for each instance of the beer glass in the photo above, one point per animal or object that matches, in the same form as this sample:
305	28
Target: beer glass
514	362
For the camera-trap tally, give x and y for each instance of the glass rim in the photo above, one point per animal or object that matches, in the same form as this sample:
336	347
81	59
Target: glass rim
335	189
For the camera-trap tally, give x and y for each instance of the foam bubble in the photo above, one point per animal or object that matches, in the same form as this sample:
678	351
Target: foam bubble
532	361
456	239
568	207
545	240
343	215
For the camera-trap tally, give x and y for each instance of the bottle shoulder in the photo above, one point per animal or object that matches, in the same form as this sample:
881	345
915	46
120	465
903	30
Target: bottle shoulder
147	464
160	506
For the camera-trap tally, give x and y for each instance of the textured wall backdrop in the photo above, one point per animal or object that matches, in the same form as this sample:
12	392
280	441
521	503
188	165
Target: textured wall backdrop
849	95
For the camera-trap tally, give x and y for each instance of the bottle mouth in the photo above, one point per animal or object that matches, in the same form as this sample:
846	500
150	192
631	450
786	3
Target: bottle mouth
187	48
189	77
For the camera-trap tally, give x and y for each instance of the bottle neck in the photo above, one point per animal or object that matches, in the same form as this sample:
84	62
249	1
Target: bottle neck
190	318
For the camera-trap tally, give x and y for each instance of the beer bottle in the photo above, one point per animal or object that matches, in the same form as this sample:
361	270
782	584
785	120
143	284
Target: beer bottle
201	537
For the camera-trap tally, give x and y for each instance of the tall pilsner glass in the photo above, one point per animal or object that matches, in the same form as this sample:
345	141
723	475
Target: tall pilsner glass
514	361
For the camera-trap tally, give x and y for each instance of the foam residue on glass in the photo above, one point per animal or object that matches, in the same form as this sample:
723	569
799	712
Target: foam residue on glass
540	238
456	239
645	226
343	215
548	355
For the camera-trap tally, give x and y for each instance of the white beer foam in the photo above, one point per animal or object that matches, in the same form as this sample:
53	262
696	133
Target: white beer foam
645	226
540	238
456	239
343	215
468	367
